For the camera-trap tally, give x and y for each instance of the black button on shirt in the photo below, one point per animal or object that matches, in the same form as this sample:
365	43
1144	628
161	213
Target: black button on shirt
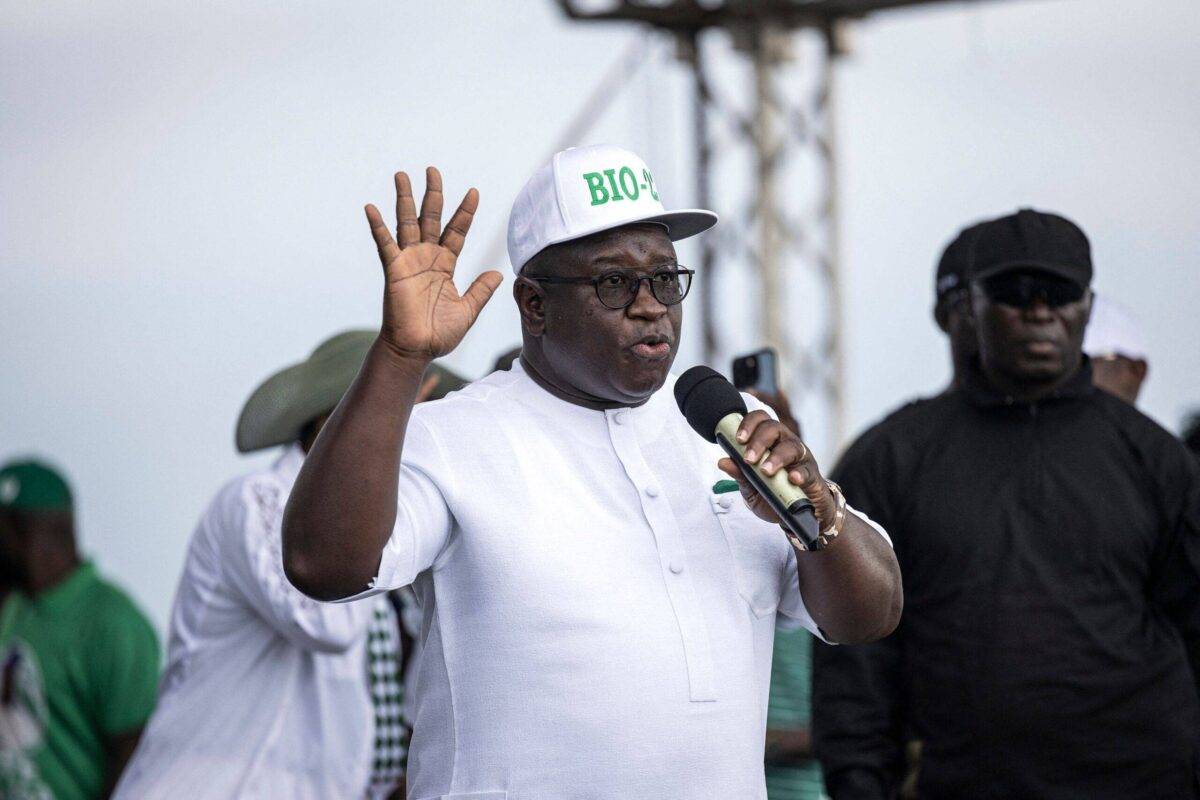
1051	562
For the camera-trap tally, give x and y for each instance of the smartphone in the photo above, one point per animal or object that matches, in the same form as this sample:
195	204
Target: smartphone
758	371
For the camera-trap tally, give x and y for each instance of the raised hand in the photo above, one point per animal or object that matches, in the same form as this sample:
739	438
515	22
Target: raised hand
424	316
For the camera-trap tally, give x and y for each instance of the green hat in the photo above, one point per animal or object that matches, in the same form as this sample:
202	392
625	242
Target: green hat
284	403
33	486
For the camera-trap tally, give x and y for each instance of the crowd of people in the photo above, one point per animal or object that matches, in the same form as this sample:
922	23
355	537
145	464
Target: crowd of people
540	584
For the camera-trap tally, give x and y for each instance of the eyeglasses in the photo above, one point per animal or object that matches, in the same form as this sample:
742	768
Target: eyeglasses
1021	289
619	288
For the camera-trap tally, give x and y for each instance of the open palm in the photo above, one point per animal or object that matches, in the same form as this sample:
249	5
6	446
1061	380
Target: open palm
424	316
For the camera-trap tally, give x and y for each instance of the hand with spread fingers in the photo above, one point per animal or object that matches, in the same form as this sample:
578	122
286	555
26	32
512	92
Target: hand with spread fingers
774	447
343	507
424	316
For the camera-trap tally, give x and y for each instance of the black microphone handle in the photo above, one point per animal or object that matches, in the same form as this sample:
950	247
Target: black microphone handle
799	517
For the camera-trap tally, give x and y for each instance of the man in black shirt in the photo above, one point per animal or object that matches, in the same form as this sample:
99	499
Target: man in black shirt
1049	537
952	292
1191	433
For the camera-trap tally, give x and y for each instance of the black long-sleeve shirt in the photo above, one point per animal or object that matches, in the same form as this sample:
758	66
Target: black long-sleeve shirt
1051	562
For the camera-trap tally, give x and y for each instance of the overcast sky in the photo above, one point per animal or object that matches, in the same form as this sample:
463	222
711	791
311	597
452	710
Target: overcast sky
180	209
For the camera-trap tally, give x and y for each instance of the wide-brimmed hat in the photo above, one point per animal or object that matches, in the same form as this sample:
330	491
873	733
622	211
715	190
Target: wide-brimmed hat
284	403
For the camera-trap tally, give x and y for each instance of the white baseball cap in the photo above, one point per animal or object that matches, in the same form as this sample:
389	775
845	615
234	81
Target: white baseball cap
584	190
1112	331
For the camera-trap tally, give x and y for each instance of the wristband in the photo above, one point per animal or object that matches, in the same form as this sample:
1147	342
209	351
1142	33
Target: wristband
830	532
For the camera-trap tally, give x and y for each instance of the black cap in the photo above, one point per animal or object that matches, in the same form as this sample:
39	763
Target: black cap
1191	432
705	397
1032	240
955	261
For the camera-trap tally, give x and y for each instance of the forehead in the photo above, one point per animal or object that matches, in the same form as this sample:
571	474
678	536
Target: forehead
628	246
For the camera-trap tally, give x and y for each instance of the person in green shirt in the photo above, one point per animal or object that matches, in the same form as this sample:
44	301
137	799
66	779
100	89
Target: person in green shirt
792	772
78	661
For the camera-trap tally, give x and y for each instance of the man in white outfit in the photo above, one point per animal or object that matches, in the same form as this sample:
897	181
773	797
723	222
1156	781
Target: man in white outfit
267	693
1114	343
598	615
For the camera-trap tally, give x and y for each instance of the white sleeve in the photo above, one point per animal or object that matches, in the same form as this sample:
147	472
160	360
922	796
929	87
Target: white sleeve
754	404
423	520
791	604
250	514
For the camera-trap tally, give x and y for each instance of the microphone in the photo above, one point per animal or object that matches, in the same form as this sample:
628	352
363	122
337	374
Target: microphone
714	409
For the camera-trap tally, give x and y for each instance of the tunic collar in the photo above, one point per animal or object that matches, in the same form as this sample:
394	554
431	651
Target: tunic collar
652	409
980	392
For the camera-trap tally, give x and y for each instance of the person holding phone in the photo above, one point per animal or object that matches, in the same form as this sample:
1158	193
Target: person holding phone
792	771
757	374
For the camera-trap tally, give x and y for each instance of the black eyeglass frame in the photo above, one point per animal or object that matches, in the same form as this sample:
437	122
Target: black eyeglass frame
595	281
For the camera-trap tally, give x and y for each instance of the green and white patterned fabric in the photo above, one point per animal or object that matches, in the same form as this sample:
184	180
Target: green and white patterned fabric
78	666
390	753
789	708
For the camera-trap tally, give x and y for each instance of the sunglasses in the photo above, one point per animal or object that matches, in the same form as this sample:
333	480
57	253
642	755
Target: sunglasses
618	289
1021	289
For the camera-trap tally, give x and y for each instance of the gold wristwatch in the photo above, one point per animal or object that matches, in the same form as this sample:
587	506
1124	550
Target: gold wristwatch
835	527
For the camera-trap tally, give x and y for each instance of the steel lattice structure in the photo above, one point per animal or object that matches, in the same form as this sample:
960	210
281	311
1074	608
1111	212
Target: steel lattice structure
781	228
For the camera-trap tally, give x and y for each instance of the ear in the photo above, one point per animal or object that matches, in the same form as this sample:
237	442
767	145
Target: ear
941	316
1140	369
531	304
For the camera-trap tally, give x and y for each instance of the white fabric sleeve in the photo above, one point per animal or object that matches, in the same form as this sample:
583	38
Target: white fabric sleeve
250	514
754	404
423	520
791	604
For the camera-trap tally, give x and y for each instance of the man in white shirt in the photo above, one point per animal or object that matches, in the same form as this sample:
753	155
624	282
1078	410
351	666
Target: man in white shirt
268	693
598	618
1113	341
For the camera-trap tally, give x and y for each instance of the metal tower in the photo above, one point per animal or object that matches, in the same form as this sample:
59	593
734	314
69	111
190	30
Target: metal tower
780	229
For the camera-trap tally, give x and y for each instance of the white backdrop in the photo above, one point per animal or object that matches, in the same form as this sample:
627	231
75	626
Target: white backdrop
180	209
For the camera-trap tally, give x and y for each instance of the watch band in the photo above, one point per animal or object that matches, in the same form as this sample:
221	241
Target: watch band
830	532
